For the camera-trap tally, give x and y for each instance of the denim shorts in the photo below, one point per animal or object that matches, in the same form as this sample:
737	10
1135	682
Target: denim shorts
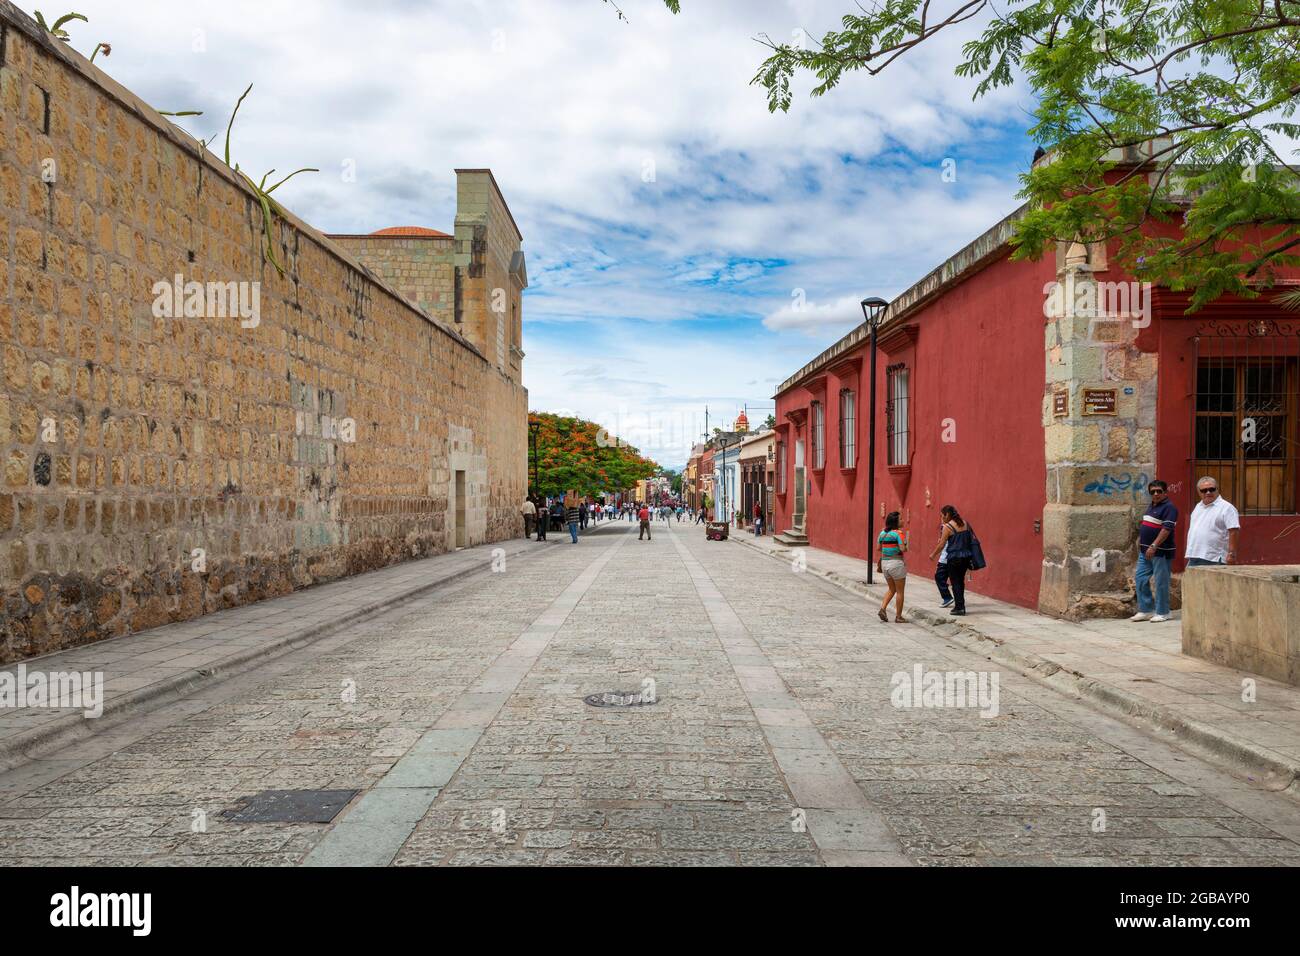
894	569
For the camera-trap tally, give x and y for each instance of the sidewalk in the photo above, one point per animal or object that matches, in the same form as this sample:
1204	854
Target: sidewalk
1137	671
150	668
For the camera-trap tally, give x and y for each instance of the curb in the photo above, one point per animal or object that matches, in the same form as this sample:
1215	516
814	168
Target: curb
24	746
1278	772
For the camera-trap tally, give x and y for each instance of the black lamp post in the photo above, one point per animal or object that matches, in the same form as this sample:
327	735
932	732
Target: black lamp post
533	429
873	310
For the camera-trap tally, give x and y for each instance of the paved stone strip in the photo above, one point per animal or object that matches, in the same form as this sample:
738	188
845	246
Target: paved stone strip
148	669
373	831
846	828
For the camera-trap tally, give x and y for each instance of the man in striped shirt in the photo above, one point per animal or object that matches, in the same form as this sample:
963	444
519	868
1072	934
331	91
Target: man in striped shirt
1156	549
572	515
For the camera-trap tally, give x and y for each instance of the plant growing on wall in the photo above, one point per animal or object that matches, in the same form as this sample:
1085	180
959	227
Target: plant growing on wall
270	210
57	29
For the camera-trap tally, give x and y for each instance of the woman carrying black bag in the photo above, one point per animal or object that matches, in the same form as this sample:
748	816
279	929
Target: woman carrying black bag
963	554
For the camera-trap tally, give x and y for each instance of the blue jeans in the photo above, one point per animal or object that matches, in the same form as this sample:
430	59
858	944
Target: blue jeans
1198	562
1157	568
573	530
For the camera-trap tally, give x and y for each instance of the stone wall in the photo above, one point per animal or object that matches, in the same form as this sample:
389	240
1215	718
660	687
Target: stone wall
1099	464
419	267
160	467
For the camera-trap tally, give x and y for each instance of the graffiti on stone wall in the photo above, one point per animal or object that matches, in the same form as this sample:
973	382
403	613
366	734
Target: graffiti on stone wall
1122	484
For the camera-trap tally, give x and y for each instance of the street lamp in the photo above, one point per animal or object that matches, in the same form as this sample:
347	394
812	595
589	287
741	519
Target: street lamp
873	310
533	429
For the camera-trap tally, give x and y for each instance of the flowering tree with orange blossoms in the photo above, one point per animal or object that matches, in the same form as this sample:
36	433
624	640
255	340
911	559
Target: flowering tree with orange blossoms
578	455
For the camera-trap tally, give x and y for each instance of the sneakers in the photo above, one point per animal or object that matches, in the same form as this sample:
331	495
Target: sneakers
1159	618
1140	616
947	602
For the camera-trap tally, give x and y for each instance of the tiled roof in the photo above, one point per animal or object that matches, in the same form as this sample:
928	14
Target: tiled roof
411	231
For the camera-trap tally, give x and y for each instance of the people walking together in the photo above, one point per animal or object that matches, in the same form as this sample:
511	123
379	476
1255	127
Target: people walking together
1156	550
890	547
1214	527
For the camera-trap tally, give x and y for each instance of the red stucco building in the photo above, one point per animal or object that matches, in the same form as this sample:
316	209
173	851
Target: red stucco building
1042	421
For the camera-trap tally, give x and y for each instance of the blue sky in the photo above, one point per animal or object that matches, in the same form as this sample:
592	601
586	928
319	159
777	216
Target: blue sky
685	246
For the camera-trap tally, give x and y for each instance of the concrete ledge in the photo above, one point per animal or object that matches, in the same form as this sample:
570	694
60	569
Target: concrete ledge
1275	770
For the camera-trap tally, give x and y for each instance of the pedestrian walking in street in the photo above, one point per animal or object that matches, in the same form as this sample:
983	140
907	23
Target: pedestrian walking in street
543	518
582	514
758	521
644	516
890	547
573	515
941	571
1156	550
1214	528
529	510
956	543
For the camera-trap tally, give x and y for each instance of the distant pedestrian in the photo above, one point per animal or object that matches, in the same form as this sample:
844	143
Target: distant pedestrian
644	516
543	518
1156	550
758	521
529	510
889	562
1214	528
573	515
955	543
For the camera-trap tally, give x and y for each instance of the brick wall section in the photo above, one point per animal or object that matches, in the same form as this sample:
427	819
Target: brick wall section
174	434
422	269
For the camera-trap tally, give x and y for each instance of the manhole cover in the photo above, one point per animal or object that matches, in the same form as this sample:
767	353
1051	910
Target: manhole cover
290	806
620	698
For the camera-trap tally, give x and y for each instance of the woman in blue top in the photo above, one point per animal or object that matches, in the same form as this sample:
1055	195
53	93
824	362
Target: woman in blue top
889	562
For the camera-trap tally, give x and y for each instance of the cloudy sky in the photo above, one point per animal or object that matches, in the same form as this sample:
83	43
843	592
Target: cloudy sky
686	248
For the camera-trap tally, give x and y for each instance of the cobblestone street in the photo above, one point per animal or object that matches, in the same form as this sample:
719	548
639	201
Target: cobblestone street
774	738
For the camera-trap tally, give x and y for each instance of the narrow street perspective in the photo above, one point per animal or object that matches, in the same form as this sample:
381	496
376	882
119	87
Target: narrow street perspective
759	729
445	445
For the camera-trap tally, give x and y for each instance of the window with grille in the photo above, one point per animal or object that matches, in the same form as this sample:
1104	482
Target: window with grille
1245	431
897	419
818	435
848	428
780	467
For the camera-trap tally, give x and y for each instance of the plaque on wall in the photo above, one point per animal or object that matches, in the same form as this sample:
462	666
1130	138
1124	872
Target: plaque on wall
1060	404
1099	401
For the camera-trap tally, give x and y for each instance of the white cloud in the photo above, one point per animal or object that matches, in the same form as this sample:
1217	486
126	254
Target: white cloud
841	197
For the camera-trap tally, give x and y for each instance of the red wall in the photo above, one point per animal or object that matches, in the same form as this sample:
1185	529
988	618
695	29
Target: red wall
977	359
1265	539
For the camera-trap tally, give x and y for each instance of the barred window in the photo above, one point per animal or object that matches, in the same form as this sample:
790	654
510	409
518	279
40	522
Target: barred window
780	467
818	435
897	418
1245	430
848	428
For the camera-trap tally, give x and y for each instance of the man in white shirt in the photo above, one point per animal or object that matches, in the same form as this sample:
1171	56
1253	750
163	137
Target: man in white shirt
529	510
1214	530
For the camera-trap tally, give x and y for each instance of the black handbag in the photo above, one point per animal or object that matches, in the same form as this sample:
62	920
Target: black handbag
977	561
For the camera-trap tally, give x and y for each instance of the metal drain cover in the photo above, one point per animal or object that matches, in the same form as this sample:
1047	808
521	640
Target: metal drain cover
290	806
620	698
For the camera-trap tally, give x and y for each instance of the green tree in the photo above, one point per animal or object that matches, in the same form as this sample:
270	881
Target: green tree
1201	90
578	455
